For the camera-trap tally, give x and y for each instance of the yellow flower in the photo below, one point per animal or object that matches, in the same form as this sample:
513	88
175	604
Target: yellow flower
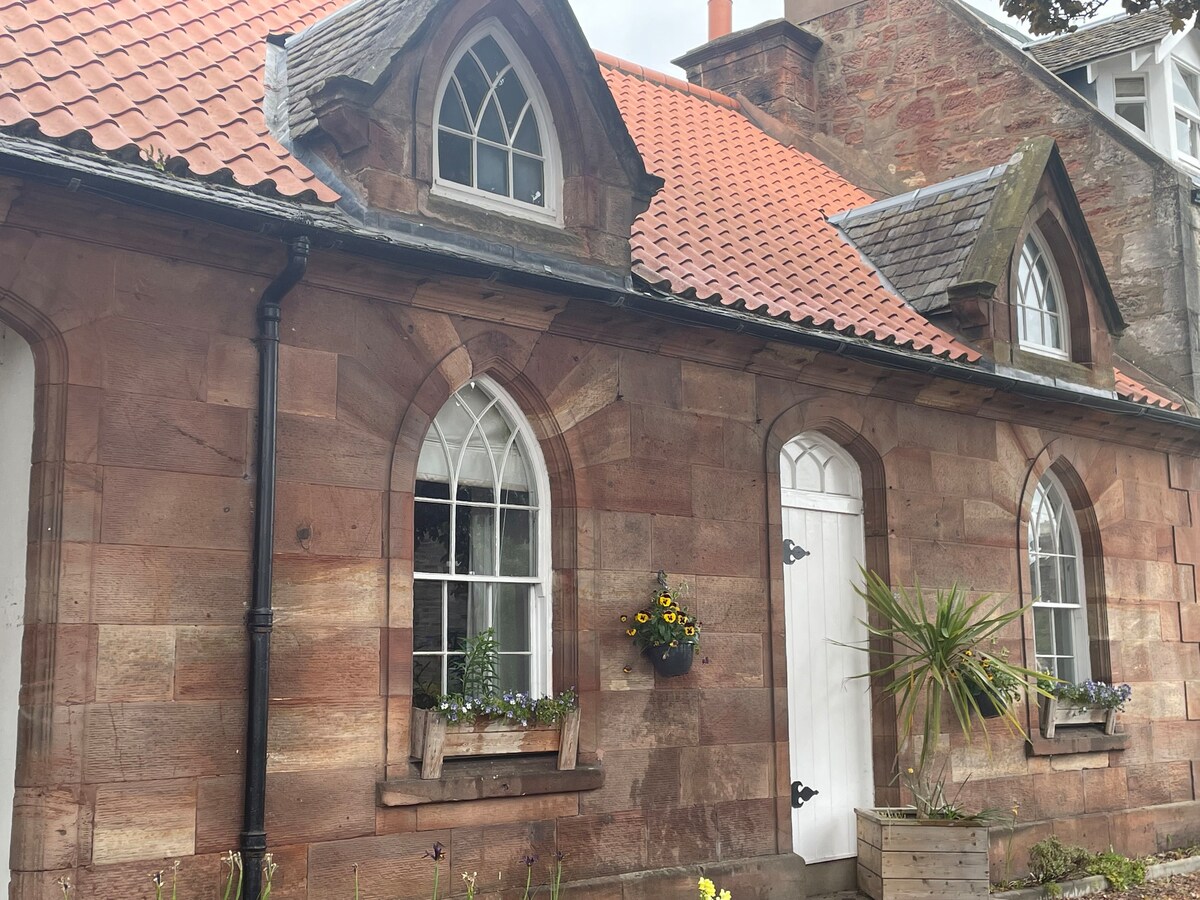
632	632
689	630
683	620
624	618
674	643
665	600
707	888
669	618
643	617
724	895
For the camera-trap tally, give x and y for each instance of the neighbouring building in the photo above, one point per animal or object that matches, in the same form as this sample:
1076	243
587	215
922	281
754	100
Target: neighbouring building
860	85
1139	73
548	324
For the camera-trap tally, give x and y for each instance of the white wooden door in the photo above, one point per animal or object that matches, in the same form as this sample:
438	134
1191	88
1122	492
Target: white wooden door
829	711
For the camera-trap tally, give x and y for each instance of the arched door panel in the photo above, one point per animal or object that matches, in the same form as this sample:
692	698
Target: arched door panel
829	709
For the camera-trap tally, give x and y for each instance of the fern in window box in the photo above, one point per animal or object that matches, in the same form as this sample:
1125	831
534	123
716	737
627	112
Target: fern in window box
484	721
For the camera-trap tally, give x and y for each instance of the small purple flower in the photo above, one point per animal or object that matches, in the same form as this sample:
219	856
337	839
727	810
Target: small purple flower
529	859
437	854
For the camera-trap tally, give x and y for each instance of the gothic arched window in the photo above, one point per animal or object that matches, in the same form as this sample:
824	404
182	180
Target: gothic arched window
480	544
1042	324
495	140
1060	626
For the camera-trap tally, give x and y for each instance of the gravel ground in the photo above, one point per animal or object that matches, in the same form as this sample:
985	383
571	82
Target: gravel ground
1181	887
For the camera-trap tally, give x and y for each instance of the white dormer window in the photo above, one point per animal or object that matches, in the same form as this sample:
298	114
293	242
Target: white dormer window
1041	322
495	142
1185	88
1130	101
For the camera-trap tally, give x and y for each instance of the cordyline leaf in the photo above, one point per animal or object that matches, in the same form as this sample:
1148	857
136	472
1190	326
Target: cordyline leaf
935	657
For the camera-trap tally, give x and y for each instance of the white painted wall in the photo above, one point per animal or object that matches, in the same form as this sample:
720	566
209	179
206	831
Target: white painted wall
1161	114
16	446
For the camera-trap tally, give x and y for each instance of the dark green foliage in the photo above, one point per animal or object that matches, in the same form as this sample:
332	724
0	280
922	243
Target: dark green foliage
1052	860
1056	16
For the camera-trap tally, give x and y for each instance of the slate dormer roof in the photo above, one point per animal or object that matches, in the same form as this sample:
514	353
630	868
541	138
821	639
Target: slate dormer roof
1101	39
960	234
334	48
920	240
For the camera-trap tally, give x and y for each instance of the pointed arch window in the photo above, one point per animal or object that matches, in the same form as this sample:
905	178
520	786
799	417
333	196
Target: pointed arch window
495	141
1042	324
480	544
1060	626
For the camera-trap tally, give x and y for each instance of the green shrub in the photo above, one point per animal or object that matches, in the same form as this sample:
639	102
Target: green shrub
1121	871
1052	860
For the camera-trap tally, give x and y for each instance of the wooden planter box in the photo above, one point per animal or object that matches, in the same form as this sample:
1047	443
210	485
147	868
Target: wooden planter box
433	740
1053	712
903	858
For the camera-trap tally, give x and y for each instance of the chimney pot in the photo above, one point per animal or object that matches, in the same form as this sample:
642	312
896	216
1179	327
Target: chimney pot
720	18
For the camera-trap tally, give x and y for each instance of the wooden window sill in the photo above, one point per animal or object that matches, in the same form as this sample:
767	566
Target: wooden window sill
481	779
1076	740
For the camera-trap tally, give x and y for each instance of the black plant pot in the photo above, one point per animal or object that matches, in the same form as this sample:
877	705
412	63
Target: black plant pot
671	661
986	703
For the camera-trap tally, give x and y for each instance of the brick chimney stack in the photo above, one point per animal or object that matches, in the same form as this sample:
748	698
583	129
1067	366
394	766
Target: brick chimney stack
720	18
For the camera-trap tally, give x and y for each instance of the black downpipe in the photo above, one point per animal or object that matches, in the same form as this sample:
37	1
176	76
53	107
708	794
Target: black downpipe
260	617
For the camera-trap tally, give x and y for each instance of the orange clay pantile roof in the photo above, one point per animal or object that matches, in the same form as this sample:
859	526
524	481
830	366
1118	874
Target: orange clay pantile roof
180	79
1129	389
742	218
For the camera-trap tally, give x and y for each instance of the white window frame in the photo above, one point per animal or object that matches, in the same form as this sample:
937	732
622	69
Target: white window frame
1142	99
1038	308
1047	489
541	605
1180	112
551	213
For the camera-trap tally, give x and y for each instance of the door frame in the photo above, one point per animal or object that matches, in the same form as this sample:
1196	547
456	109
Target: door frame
842	422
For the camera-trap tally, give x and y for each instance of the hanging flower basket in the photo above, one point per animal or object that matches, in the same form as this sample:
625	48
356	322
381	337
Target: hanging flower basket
665	632
671	661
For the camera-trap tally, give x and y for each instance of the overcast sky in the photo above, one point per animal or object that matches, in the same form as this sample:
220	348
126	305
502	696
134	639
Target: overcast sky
653	32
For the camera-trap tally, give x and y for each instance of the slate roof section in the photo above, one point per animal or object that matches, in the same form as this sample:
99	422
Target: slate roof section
175	79
1101	39
742	219
339	47
919	241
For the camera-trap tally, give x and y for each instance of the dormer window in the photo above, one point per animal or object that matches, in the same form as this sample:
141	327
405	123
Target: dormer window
1041	321
495	144
1185	86
1130	101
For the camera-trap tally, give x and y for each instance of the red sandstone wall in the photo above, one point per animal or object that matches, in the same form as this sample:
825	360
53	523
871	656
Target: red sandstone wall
656	437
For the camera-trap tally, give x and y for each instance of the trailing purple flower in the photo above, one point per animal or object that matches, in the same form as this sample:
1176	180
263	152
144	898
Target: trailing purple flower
1097	694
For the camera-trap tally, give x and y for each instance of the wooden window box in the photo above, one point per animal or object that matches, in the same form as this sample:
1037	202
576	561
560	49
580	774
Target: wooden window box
1054	713
434	740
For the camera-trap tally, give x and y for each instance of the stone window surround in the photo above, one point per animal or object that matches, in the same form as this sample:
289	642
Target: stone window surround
551	213
1046	220
1081	739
